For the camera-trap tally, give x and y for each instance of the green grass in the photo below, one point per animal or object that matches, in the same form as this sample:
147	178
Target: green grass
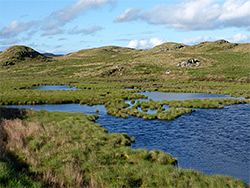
64	143
20	54
70	149
10	177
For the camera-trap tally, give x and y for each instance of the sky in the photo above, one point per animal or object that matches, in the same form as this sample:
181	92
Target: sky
64	26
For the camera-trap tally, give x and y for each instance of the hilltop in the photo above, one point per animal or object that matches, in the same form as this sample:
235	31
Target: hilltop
16	54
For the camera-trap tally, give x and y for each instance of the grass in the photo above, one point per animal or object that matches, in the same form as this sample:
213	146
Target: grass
71	150
10	177
56	145
17	54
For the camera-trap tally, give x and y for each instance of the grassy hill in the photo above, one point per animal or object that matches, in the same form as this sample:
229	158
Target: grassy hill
219	60
156	61
17	54
224	67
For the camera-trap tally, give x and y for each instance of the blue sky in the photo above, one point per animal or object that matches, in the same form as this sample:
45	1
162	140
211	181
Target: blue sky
64	26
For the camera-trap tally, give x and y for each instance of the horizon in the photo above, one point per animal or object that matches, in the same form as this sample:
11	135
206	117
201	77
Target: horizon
62	27
43	52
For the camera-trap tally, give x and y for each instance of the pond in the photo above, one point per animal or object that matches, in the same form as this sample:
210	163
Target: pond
213	141
151	95
158	96
54	87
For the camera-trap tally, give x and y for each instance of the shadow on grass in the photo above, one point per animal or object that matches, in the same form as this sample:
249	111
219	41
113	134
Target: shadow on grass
15	171
11	113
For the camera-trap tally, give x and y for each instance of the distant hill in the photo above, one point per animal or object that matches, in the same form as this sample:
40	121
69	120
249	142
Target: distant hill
15	54
169	46
216	46
52	55
106	50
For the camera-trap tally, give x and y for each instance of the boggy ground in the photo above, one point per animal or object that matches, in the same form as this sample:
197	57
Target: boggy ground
73	144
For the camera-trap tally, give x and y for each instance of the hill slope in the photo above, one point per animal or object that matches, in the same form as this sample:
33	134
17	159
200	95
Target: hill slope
15	54
219	61
216	46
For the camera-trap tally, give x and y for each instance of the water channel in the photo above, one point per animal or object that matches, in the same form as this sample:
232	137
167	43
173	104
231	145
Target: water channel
213	141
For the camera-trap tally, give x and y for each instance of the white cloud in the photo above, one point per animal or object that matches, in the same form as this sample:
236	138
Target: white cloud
50	25
10	41
156	41
239	38
195	15
137	44
88	31
75	9
192	15
196	40
236	13
61	17
145	44
54	31
92	30
128	15
16	27
57	19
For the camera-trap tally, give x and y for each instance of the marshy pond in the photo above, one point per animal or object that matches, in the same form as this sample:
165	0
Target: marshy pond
55	87
213	141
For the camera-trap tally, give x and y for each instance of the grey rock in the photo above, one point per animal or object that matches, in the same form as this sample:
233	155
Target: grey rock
221	42
189	63
178	46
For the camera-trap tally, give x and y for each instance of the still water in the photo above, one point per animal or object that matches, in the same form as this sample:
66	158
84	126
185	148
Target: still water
54	87
213	141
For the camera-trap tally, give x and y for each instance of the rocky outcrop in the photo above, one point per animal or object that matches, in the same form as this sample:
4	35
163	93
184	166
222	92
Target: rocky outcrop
118	70
176	47
218	42
189	63
179	46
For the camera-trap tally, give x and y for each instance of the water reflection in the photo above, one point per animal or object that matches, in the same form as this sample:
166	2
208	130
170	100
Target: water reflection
65	108
213	141
55	87
158	96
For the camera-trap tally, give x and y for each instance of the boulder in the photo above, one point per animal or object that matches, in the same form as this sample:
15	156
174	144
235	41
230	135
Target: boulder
221	42
164	50
178	46
189	63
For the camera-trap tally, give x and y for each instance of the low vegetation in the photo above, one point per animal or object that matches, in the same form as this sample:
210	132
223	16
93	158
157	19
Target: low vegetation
70	150
18	54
